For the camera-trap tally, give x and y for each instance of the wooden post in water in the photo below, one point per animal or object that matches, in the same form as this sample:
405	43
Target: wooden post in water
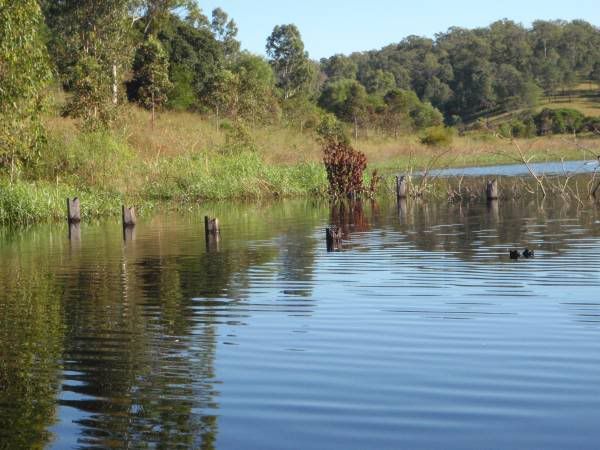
213	234
128	215
491	191
211	226
334	239
401	187
73	211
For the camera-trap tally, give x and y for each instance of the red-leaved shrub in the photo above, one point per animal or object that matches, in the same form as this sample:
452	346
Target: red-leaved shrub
345	167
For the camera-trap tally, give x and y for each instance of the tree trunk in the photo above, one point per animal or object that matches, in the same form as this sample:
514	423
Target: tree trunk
115	86
355	129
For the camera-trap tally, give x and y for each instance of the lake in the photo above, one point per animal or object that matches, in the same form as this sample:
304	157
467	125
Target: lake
421	333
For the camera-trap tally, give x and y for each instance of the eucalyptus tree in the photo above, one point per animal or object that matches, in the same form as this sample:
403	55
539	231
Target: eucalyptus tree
289	60
225	31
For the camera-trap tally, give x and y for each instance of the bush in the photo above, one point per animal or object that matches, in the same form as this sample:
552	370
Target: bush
237	138
330	129
439	136
559	121
519	128
345	167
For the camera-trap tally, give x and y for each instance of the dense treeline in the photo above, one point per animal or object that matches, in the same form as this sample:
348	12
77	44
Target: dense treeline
169	54
465	73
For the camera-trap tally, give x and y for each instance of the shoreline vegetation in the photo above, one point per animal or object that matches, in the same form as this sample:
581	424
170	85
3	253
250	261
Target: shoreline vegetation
152	102
183	160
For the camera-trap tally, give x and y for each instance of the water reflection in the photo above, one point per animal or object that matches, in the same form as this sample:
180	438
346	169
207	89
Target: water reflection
168	340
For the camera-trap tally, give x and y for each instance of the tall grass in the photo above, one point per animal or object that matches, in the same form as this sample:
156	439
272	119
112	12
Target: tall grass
26	202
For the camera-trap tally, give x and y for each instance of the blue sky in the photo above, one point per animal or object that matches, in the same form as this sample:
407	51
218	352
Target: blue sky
344	26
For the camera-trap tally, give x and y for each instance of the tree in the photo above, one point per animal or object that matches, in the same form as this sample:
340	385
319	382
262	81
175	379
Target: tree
338	67
256	88
150	83
195	59
225	31
154	15
24	73
289	60
348	100
92	42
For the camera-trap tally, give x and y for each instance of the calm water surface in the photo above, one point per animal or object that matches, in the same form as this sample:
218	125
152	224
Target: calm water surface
562	168
420	334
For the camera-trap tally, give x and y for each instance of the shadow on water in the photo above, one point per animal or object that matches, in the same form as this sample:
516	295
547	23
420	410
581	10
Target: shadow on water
111	342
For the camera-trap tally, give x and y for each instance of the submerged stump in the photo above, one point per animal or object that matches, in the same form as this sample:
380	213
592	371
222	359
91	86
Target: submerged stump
401	187
333	235
491	190
73	211
129	218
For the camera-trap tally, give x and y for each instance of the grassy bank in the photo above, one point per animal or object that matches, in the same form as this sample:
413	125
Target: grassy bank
186	159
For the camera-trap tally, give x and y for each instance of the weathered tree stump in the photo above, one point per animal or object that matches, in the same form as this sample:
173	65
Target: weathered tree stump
211	226
401	187
491	191
73	210
333	236
129	218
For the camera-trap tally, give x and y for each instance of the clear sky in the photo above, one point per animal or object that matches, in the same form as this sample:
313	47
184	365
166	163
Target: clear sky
344	26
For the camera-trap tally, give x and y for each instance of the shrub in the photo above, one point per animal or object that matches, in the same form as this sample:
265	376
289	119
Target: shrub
345	167
237	138
437	136
559	121
520	128
330	129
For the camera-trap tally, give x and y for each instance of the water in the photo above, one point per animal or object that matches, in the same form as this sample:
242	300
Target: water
421	333
562	168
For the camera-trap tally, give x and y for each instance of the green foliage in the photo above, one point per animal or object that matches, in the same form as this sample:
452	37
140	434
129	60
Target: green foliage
91	160
192	52
522	127
150	83
92	47
90	100
181	97
237	138
244	175
559	121
289	60
438	136
225	31
24	202
24	74
256	88
338	67
347	99
330	129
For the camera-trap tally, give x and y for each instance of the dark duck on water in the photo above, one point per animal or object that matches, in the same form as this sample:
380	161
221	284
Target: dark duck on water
528	254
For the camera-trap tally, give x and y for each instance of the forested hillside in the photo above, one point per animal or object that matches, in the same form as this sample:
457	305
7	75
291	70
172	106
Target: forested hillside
169	54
